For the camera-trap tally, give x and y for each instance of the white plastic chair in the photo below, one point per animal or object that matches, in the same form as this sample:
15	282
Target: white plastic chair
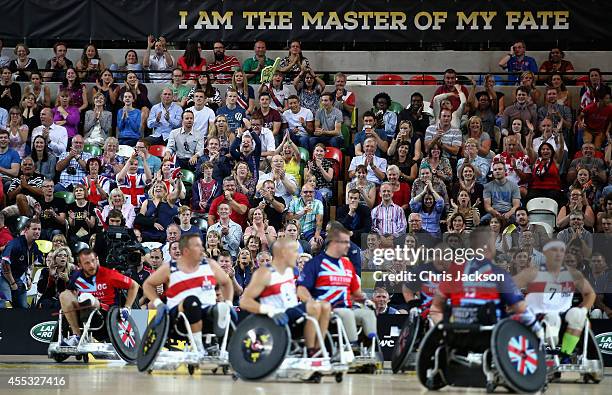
357	79
151	245
543	210
125	150
33	291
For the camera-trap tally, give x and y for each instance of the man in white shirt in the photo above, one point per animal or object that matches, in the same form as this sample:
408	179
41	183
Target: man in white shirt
285	184
377	167
204	117
299	121
546	127
56	135
268	145
173	233
159	60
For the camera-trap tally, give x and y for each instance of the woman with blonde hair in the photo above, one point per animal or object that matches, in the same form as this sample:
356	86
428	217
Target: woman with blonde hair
259	227
291	156
246	94
476	131
245	183
55	277
407	136
98	122
18	132
118	201
213	244
528	81
111	162
157	212
223	133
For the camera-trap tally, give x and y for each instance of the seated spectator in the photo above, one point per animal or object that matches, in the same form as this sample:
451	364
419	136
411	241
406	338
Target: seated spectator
41	91
204	190
442	102
402	159
238	203
213	244
133	183
322	169
309	212
388	219
426	177
179	90
376	166
577	234
204	117
355	216
259	227
66	114
173	235
273	206
140	96
309	88
235	115
440	166
601	280
56	136
131	64
254	65
159	60
18	132
279	93
117	202
10	91
90	66
220	163
476	131
501	196
585	184
53	212
246	94
449	138
516	62
191	62
292	64
312	181
450	86
344	99
595	120
381	301
222	133
556	63
81	216
407	136
245	182
9	158
291	158
456	236
72	164
528	81
430	205
414	114
401	190
96	185
480	164
230	231
545	179
246	148
271	117
366	188
244	268
159	211
588	161
98	122
267	138
23	65
521	108
111	162
557	113
30	112
328	124
497	226
470	214
467	181
58	64
107	86
253	246
24	191
54	278
577	202
489	104
564	97
185	216
299	122
538	236
588	91
129	121
285	185
386	119
517	163
223	65
44	159
369	130
184	144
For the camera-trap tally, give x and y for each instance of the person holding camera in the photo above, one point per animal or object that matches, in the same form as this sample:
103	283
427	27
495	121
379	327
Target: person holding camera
104	241
72	164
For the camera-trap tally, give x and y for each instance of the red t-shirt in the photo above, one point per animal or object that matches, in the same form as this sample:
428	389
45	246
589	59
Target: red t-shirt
454	99
5	236
597	119
400	197
240	198
102	285
181	63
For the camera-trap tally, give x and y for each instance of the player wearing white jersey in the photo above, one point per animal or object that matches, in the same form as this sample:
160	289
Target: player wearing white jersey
190	288
550	290
272	292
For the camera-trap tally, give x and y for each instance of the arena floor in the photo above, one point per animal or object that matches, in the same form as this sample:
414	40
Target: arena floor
115	378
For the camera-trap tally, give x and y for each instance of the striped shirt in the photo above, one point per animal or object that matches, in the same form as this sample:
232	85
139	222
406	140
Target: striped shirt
389	219
35	181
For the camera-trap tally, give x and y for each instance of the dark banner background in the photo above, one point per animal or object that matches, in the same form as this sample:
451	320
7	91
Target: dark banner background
580	21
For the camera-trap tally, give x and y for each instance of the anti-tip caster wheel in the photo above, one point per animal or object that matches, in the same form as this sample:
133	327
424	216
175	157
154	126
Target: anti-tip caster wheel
214	371
490	388
86	358
225	370
316	378
234	377
191	369
339	377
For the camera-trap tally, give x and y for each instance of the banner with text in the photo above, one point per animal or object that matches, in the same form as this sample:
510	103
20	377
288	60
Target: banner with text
340	21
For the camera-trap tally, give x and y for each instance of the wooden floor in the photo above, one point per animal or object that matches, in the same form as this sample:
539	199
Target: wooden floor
115	379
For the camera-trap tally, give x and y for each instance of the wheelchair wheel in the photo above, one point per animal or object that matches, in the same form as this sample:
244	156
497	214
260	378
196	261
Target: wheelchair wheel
258	347
123	335
426	358
405	343
59	358
518	357
152	342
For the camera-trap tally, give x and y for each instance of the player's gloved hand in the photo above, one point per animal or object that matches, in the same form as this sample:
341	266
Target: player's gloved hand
232	310
125	313
278	316
162	310
369	304
529	319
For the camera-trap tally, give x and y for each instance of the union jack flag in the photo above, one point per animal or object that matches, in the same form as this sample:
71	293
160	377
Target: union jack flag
334	280
85	286
126	333
524	358
133	186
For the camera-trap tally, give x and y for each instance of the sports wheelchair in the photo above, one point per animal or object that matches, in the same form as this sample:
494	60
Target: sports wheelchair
405	350
261	349
587	362
101	326
470	349
170	344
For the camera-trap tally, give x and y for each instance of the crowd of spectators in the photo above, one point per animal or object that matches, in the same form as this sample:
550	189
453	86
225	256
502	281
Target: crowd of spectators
242	169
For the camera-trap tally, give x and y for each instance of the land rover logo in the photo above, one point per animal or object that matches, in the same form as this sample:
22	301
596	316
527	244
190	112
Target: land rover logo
604	342
43	331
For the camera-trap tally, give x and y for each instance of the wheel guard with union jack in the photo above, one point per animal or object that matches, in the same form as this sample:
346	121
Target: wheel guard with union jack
123	334
523	355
